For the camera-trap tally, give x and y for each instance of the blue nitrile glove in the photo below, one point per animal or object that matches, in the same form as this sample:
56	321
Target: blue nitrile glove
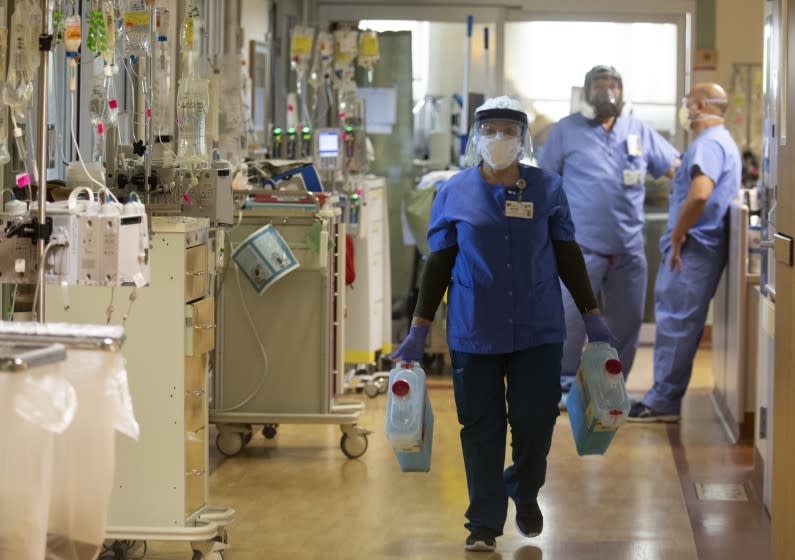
597	330
413	346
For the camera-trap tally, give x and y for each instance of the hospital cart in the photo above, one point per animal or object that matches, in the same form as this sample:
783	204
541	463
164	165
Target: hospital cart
368	322
161	481
279	354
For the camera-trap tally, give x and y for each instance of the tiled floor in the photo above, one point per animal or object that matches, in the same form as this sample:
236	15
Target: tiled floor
298	497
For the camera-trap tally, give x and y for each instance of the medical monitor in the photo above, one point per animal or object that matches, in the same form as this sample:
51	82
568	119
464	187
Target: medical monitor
329	152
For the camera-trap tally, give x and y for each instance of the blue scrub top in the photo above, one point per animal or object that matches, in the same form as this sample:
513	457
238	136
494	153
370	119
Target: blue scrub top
715	153
505	293
608	213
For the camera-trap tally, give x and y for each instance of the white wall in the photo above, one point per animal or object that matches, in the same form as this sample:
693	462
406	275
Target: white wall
739	38
254	15
739	26
446	58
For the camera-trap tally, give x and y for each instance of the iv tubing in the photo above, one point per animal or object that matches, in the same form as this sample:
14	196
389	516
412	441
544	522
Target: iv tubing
23	153
149	96
77	146
38	293
259	343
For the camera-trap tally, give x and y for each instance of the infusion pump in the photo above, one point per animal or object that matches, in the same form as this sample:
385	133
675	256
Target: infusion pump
89	244
329	149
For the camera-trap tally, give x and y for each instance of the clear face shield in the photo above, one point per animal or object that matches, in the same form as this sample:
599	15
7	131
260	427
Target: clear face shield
499	142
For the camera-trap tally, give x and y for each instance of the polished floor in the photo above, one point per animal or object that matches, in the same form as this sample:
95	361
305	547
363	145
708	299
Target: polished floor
297	496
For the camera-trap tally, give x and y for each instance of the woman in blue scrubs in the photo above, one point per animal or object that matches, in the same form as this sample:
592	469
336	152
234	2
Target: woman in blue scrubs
501	239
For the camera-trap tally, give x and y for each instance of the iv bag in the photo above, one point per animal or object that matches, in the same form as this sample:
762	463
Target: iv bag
161	87
193	100
19	81
136	28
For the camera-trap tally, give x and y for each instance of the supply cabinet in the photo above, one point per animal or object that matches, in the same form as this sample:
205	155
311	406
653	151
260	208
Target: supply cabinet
368	324
734	334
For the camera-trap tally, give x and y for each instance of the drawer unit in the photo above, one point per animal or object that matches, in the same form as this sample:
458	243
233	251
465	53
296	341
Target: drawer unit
200	327
195	470
195	410
169	334
196	373
197	276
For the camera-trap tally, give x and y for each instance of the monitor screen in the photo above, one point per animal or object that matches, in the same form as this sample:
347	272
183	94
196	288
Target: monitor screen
328	144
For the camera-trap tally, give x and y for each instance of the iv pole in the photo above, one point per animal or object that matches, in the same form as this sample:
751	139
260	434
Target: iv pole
45	44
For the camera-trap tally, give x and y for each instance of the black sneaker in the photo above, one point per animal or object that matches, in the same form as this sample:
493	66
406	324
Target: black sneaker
529	521
481	540
642	413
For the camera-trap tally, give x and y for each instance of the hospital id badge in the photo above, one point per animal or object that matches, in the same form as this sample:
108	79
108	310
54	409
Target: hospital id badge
518	209
633	145
633	177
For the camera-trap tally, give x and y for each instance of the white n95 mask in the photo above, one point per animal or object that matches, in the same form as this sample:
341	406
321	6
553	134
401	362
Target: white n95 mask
499	151
684	117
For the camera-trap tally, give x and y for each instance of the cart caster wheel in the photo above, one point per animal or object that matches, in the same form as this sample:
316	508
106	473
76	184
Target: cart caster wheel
371	390
383	384
248	434
230	443
269	431
353	446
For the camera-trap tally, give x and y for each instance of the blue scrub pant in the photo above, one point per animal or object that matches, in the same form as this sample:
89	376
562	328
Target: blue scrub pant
532	396
681	303
619	284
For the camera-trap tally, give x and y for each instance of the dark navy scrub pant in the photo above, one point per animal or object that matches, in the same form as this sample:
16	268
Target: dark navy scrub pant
533	392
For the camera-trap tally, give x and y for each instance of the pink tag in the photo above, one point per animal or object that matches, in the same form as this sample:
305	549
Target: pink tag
187	199
101	128
112	104
148	112
23	180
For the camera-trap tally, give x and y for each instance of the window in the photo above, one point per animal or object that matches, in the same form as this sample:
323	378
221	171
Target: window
544	60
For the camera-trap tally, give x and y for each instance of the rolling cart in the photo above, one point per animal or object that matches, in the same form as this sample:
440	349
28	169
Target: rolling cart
279	355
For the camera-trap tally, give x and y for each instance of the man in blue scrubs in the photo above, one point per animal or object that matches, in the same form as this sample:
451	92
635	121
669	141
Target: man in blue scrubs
501	240
694	250
603	156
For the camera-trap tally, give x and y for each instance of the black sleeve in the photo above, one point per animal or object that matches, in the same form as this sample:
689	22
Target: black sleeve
435	279
571	268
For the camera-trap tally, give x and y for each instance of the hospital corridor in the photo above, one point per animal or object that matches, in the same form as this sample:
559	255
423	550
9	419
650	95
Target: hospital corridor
397	279
639	501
